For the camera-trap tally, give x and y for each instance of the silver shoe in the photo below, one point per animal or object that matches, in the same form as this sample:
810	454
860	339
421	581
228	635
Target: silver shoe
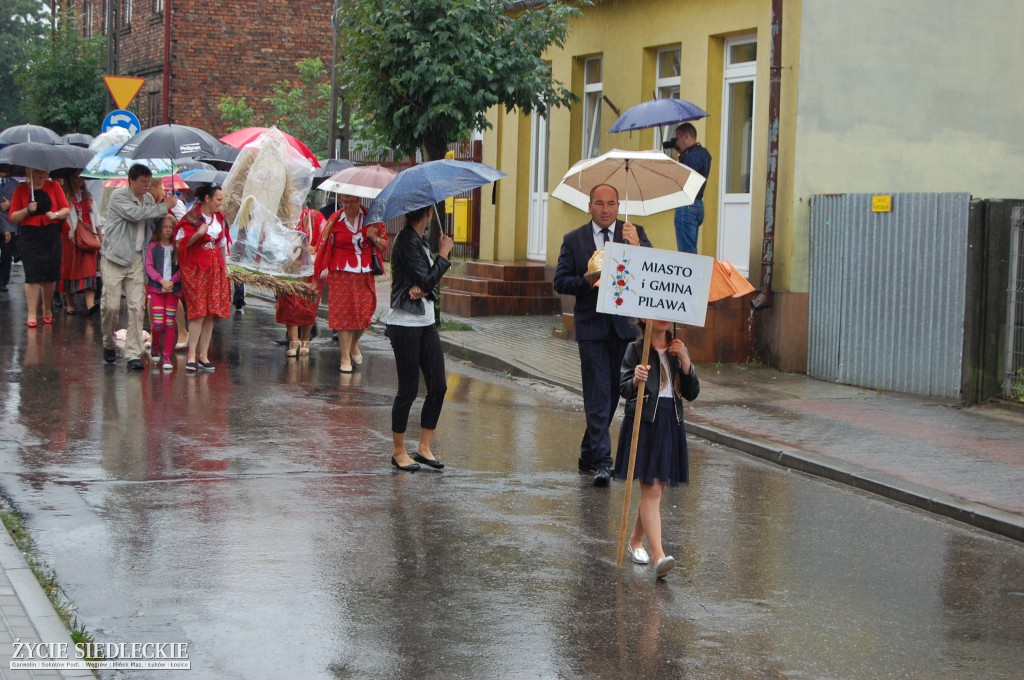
639	555
665	565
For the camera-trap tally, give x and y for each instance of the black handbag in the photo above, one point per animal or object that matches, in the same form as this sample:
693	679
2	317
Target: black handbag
376	264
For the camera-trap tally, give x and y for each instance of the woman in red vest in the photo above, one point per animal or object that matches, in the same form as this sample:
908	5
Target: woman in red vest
203	241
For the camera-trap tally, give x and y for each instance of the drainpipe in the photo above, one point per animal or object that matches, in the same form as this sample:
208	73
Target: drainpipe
167	62
763	300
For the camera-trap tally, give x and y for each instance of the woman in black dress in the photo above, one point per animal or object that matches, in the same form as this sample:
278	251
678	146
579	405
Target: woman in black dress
39	207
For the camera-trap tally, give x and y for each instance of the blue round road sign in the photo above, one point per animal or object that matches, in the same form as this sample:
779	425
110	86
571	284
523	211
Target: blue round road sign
123	119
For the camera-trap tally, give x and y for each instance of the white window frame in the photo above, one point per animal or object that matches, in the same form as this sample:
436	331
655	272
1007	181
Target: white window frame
158	6
666	87
126	20
592	100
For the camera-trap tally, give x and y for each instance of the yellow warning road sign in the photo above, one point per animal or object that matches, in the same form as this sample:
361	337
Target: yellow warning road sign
123	89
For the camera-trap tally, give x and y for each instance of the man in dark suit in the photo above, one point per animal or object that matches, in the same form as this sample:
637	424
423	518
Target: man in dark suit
602	338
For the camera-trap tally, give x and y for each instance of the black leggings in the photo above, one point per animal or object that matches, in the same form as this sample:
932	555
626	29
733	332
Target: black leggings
417	349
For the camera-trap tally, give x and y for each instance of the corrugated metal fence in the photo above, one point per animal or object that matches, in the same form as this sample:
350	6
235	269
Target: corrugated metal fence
1013	385
887	291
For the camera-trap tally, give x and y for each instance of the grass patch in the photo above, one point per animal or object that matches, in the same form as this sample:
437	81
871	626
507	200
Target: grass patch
46	576
449	325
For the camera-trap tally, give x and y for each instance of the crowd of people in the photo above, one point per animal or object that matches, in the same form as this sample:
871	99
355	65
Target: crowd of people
171	257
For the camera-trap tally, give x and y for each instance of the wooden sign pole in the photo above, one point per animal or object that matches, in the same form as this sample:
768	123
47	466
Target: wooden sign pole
632	446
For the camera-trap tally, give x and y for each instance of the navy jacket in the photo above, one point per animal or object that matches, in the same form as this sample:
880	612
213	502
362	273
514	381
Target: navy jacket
577	247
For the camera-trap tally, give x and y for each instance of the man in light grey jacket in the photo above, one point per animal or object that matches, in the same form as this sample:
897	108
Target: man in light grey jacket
122	265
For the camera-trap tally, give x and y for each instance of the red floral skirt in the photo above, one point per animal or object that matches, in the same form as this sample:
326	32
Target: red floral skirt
78	267
206	292
351	300
297	310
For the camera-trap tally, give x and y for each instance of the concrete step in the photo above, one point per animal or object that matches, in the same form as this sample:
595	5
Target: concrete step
506	270
467	305
487	286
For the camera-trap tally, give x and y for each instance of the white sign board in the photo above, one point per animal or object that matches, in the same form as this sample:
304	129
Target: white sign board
655	284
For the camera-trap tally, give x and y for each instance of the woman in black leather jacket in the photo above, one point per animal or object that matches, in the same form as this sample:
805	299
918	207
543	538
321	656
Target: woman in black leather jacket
661	456
412	330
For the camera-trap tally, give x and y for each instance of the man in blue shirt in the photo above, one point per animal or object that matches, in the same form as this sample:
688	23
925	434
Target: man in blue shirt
689	218
8	230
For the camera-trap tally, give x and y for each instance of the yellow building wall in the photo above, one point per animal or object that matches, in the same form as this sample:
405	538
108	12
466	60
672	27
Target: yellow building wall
627	34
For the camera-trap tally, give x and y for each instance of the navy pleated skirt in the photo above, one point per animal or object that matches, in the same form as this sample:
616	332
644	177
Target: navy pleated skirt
661	448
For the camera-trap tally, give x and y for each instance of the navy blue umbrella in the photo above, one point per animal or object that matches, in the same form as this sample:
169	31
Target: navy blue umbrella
429	183
658	112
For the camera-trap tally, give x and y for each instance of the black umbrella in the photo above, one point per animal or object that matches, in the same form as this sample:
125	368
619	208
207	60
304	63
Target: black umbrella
77	139
196	177
331	166
48	157
29	133
170	141
184	164
224	158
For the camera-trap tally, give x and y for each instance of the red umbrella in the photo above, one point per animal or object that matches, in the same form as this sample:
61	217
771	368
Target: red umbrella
240	138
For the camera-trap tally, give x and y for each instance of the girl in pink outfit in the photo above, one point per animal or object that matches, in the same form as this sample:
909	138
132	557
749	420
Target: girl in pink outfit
163	283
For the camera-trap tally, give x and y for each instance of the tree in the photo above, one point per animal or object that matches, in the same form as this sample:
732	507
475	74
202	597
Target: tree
300	108
423	73
63	84
23	24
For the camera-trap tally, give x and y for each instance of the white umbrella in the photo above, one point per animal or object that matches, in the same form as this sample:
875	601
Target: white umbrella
365	181
648	182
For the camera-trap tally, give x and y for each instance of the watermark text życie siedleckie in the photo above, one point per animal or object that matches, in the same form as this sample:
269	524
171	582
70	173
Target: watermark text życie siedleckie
100	655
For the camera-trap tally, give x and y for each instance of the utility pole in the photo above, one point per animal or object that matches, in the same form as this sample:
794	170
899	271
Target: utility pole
332	135
111	22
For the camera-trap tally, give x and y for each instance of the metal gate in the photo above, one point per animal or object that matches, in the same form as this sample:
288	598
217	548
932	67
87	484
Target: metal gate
887	291
1013	385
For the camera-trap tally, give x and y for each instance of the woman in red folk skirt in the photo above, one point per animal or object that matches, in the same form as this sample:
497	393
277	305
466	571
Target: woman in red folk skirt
203	241
298	312
78	267
344	258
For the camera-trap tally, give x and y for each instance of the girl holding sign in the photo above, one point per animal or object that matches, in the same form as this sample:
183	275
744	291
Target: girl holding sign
661	457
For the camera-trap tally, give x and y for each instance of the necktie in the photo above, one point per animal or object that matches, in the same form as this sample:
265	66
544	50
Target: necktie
606	235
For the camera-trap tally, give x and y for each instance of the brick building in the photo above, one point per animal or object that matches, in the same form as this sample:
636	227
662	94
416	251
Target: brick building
236	48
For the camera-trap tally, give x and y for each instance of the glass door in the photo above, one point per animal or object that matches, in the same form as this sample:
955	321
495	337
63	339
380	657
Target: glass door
537	229
737	153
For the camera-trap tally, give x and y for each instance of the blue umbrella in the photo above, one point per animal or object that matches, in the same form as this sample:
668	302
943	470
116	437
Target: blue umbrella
658	112
429	183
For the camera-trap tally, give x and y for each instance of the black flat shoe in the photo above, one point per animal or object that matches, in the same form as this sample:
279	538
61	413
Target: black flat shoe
434	463
408	468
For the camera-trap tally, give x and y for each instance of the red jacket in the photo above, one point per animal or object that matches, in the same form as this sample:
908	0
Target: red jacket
342	250
205	252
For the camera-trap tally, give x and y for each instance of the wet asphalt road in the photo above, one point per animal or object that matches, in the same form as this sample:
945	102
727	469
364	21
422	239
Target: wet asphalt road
252	513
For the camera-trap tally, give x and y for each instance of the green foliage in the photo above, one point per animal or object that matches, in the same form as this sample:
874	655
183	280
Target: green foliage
299	108
1017	386
423	73
236	113
23	24
63	85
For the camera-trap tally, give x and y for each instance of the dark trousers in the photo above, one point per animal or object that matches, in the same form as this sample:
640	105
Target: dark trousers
417	350
7	251
600	363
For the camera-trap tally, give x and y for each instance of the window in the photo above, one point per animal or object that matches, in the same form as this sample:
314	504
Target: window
87	19
666	85
158	6
126	19
592	91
